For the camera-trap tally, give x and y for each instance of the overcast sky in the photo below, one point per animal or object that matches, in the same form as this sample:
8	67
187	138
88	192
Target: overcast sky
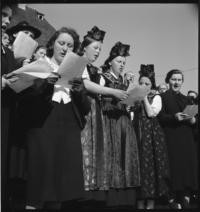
165	35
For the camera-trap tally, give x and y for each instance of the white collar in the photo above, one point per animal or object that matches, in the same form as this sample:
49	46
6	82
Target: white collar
52	64
114	75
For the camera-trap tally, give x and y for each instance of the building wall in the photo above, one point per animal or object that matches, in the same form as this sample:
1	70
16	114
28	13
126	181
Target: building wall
36	19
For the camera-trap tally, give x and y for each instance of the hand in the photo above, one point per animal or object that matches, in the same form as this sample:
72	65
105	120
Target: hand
13	79
77	84
26	62
128	108
190	119
120	94
39	83
52	79
181	116
10	75
4	82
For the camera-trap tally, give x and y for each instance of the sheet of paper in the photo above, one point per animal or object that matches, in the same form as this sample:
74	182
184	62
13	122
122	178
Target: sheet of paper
28	73
71	67
38	69
191	110
24	46
22	83
131	86
135	94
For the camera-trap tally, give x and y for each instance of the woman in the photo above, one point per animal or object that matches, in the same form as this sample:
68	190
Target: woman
40	52
92	135
120	161
180	141
152	145
8	103
55	173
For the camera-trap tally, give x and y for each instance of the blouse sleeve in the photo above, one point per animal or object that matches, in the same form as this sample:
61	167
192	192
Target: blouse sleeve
85	74
156	105
102	81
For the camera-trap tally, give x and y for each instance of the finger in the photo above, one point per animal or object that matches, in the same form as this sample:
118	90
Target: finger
56	74
9	75
13	79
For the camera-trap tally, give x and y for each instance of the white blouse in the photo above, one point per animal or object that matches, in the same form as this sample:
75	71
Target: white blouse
60	93
156	105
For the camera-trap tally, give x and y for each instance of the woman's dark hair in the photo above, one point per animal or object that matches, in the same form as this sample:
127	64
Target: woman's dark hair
152	79
148	71
119	49
70	31
170	73
86	42
39	47
95	34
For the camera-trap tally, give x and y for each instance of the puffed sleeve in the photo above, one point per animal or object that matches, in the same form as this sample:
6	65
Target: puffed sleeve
156	105
85	74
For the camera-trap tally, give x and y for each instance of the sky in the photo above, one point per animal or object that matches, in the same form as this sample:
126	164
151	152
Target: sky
165	35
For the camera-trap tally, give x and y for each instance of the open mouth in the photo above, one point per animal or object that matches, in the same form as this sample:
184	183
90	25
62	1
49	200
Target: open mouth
3	27
63	54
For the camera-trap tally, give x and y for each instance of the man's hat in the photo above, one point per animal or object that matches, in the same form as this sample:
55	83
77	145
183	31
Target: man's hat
23	25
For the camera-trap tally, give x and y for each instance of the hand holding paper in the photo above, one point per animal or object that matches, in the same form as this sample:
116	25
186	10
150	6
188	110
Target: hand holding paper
137	93
191	110
27	74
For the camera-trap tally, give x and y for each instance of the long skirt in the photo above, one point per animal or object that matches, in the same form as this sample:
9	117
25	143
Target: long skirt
55	170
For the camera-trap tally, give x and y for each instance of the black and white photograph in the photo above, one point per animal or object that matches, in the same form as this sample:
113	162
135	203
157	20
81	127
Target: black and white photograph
99	106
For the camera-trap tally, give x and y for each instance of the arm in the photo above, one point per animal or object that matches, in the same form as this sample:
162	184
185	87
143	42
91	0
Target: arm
98	89
153	109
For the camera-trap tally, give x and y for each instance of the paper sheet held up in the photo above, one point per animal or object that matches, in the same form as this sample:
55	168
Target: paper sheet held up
135	94
24	46
191	110
72	66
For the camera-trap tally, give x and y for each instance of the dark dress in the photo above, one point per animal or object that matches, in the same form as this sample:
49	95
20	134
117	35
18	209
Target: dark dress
54	168
180	143
8	99
153	154
120	162
92	136
121	158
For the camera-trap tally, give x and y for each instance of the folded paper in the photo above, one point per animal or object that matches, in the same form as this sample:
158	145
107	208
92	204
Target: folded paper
28	73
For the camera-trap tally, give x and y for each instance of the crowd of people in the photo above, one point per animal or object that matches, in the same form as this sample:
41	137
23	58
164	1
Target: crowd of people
82	145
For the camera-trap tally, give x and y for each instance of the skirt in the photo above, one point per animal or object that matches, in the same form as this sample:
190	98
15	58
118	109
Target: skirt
55	172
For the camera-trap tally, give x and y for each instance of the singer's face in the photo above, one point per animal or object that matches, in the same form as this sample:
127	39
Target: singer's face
41	53
175	82
145	81
92	51
63	44
5	39
118	64
5	17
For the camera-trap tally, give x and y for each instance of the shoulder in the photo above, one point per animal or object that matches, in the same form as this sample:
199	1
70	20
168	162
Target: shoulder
166	94
92	69
9	53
